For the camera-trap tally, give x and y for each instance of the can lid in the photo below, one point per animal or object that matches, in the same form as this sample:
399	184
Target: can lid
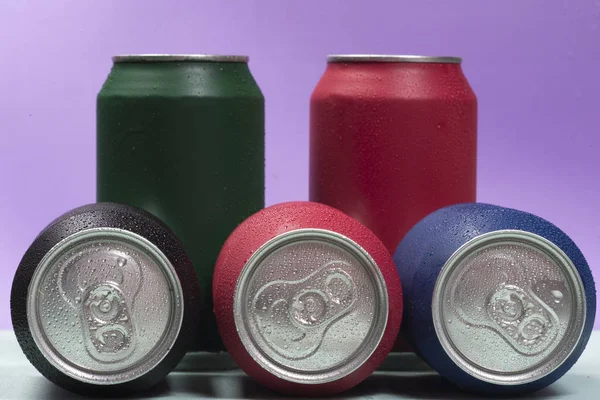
509	307
387	58
311	306
105	306
156	58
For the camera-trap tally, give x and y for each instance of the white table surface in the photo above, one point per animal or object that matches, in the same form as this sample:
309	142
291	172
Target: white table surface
402	377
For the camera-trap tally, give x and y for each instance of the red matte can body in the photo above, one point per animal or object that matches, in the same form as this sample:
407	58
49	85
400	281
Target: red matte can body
391	142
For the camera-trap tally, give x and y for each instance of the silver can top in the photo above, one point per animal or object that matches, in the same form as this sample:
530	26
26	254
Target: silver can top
311	306
155	58
105	306
509	307
388	58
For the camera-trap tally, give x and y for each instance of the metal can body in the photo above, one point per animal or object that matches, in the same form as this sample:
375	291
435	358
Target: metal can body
183	138
392	138
496	300
307	299
105	300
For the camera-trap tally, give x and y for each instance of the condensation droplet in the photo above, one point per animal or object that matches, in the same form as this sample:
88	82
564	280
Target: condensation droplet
558	295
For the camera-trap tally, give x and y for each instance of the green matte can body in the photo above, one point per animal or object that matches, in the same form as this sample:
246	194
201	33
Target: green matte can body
183	138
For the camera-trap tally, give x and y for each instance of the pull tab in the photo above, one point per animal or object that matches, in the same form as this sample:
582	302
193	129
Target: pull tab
293	316
108	326
101	287
522	319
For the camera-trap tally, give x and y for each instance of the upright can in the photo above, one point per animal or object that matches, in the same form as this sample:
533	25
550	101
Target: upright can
392	139
182	136
498	301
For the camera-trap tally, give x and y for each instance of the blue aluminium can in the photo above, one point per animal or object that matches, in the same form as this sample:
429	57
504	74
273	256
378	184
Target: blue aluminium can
498	301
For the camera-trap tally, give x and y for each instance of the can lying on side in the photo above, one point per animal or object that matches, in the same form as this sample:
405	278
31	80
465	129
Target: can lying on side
308	300
496	300
182	136
105	301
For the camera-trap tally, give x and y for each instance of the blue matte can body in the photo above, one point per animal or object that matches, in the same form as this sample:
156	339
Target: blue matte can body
425	249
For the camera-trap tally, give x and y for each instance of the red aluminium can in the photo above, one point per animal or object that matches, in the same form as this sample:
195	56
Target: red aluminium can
307	300
392	139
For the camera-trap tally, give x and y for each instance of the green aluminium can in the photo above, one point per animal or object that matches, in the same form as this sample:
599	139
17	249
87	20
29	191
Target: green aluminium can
182	136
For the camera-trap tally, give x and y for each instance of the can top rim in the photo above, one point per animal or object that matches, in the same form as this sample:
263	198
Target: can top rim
571	337
370	342
161	348
391	58
148	58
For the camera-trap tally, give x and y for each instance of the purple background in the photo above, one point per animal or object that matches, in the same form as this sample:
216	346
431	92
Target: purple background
534	66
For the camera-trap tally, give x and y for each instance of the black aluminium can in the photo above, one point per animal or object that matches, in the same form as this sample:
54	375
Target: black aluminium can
182	136
105	300
496	300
